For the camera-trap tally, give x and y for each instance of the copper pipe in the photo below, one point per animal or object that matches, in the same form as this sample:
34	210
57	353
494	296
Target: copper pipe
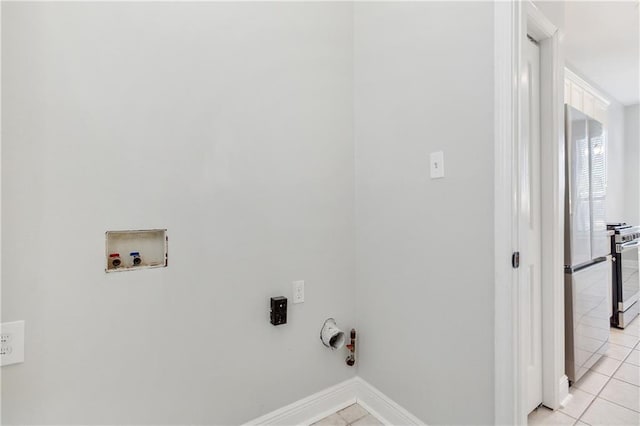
351	359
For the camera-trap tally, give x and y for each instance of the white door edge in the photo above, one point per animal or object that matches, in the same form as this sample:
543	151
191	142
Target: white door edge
531	223
506	48
553	178
511	20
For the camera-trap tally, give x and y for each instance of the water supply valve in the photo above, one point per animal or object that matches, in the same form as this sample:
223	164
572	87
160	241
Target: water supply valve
114	260
137	260
351	358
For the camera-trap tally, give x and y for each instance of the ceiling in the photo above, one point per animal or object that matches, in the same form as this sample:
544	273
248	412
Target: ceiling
602	43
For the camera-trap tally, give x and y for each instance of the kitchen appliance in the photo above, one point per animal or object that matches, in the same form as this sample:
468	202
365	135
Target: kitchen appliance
587	248
625	278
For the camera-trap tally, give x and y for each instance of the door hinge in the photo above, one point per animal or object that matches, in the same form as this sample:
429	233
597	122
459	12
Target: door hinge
515	259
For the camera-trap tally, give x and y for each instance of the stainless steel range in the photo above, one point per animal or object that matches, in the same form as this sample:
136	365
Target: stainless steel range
626	279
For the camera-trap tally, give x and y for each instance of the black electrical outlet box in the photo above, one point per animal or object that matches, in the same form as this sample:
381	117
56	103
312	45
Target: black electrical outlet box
278	310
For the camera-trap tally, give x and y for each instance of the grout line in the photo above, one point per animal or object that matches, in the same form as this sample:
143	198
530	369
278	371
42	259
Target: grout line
615	403
636	346
607	382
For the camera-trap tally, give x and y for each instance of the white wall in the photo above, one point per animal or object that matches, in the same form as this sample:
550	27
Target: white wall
554	11
423	83
229	124
632	161
616	181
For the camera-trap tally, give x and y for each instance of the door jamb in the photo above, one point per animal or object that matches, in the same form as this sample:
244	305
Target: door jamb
512	22
555	384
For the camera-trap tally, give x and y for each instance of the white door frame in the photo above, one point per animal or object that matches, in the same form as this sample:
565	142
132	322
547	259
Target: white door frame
512	21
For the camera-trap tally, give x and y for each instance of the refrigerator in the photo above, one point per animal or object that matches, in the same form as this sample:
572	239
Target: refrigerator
587	249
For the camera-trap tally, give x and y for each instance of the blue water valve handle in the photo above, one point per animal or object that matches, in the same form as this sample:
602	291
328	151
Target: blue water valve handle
136	258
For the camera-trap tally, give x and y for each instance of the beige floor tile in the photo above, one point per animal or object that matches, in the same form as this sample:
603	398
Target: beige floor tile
605	413
591	382
629	373
634	324
617	351
634	357
619	338
545	416
332	420
367	420
631	330
606	365
622	393
578	403
353	413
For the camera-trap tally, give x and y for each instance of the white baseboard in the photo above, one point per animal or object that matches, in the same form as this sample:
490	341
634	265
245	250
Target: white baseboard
382	407
326	402
312	408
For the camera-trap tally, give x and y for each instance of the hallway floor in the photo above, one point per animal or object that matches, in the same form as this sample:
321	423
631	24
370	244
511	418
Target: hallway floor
353	415
609	394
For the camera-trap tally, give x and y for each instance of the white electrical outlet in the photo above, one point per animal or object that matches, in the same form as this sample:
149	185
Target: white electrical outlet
11	342
437	165
298	291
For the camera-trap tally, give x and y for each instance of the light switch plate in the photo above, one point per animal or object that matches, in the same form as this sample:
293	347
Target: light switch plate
11	342
437	165
298	292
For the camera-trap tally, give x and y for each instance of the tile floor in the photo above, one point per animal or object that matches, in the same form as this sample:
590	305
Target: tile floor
353	415
609	393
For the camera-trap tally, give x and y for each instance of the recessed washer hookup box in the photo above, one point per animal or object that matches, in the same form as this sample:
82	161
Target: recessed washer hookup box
140	249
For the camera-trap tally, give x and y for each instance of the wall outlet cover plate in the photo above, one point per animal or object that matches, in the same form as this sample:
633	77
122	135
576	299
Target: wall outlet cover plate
11	342
298	292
